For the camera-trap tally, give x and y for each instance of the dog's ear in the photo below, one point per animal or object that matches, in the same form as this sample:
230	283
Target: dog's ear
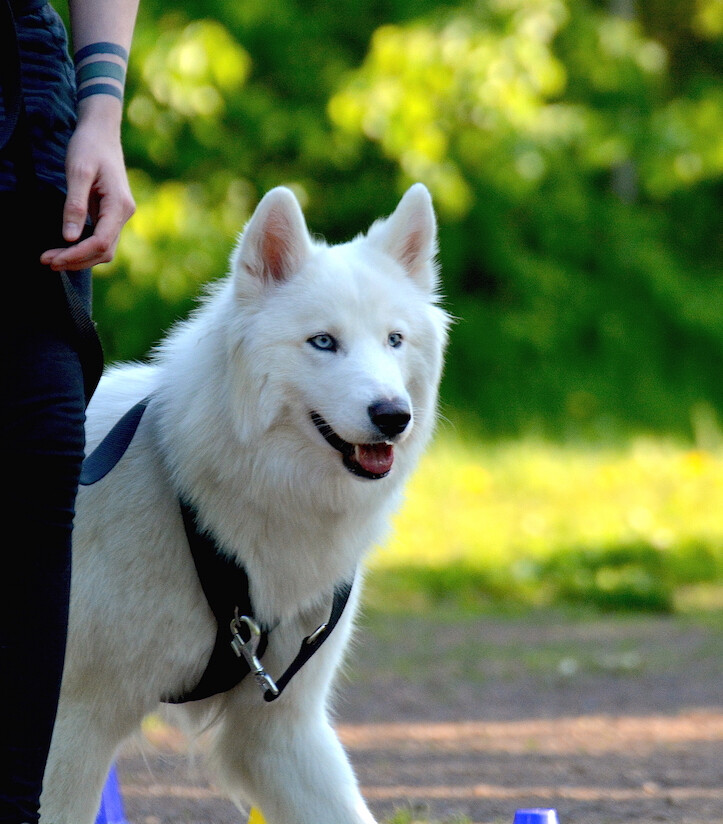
409	235
275	242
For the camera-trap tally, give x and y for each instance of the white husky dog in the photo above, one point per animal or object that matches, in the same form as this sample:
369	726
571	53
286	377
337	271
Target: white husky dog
288	411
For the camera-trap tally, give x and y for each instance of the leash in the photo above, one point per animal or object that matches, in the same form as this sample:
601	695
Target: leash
240	640
90	349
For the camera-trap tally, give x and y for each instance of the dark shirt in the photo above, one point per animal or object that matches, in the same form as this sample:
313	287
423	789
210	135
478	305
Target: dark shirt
48	87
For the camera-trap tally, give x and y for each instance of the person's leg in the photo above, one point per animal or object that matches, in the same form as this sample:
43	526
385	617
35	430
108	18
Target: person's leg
42	416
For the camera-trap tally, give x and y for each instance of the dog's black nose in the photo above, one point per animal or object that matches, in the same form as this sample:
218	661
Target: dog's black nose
390	416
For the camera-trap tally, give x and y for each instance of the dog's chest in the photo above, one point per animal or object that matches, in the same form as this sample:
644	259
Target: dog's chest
293	558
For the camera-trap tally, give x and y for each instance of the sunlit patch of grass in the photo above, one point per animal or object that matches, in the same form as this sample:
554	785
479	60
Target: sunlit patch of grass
639	527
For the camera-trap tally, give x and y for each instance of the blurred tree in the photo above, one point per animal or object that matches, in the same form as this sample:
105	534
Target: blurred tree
578	187
574	149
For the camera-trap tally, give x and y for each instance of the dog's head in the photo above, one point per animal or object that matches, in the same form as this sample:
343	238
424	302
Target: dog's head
345	342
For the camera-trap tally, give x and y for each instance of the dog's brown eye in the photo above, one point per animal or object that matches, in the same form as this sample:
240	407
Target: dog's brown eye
327	343
395	339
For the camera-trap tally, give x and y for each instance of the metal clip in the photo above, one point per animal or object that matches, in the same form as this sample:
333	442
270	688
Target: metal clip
316	634
247	650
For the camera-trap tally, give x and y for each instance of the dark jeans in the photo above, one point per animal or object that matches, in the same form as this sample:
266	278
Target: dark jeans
42	414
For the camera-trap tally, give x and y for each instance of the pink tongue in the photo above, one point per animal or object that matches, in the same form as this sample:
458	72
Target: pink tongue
375	457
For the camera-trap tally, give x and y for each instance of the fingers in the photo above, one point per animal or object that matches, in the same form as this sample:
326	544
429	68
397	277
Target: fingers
83	255
75	210
101	245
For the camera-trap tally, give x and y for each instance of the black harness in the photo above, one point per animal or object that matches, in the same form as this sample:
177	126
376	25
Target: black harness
240	639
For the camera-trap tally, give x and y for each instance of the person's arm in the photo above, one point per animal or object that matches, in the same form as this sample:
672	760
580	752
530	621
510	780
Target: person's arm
95	168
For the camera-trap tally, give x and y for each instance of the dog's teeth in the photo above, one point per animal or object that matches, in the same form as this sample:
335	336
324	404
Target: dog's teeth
376	458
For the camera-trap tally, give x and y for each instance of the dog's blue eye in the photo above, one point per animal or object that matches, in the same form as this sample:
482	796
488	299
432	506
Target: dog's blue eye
395	339
327	343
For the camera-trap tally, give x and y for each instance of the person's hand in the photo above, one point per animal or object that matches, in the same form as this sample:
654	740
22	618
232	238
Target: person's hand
97	186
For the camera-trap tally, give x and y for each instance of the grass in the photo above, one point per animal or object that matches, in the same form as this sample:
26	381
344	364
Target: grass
417	817
638	527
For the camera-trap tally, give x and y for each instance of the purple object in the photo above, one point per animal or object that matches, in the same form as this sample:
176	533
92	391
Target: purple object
111	804
537	816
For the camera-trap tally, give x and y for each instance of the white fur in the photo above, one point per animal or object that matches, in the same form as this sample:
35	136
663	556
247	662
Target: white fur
229	427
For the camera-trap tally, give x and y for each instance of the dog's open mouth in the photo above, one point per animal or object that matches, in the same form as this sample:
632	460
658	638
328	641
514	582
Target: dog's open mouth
366	460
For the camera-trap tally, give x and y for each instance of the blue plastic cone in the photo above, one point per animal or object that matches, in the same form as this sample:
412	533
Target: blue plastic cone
111	803
536	816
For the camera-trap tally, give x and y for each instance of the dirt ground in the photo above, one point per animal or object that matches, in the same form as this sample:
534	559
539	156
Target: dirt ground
607	719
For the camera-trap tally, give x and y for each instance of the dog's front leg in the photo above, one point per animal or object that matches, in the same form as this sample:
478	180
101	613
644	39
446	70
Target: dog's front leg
292	766
80	757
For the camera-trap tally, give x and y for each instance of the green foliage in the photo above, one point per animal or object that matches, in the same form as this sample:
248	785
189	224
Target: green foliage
565	168
631	577
574	157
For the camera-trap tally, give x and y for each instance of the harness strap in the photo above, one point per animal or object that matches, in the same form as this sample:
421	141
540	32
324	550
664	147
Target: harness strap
113	446
224	582
226	587
311	643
